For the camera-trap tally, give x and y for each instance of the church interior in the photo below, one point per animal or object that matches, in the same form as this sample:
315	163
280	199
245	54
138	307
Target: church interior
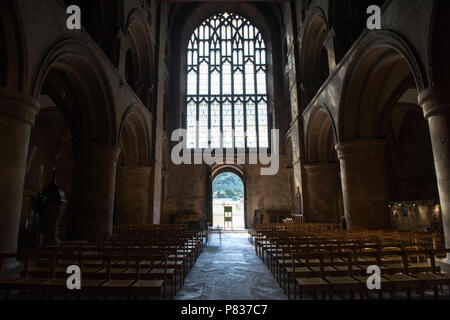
347	101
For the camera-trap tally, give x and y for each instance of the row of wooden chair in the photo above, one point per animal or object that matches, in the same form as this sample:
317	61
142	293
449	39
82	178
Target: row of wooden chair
320	260
103	273
255	229
129	265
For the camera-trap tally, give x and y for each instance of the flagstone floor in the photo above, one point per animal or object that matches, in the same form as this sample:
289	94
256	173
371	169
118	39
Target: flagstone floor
230	271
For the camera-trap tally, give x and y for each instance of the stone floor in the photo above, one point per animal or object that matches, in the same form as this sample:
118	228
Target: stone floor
230	271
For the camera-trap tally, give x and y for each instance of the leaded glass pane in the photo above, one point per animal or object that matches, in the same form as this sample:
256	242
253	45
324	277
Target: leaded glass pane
215	125
250	78
215	83
239	134
204	75
238	83
191	125
226	76
192	83
203	125
251	125
261	80
227	125
263	125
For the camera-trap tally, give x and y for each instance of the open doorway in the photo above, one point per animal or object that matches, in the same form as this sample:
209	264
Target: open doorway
228	202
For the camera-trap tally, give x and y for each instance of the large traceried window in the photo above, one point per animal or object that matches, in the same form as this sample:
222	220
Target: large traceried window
226	101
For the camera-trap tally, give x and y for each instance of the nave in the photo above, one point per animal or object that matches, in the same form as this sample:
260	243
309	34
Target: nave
229	269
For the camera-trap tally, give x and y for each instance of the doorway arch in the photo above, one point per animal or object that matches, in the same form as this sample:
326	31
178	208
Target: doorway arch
228	190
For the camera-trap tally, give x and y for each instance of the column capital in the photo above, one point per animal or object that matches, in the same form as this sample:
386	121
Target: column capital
18	105
435	100
357	147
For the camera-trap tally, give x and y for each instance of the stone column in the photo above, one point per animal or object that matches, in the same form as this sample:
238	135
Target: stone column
436	105
132	195
321	193
364	184
17	115
94	183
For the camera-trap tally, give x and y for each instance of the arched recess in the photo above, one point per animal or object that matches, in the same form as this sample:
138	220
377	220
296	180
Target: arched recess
320	136
133	182
380	63
74	81
378	116
135	137
323	195
139	59
314	65
13	63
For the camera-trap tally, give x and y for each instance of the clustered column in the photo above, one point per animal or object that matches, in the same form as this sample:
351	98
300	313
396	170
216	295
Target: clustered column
436	105
364	184
132	195
17	115
321	193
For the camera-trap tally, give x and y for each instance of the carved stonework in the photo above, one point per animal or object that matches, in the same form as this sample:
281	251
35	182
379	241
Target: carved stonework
435	100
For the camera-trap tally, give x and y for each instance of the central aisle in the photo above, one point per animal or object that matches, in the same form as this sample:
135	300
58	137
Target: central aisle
230	271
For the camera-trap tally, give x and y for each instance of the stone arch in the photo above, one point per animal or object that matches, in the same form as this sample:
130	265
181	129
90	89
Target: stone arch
382	81
133	182
323	199
382	61
216	170
320	136
313	59
13	62
77	82
238	170
134	138
139	64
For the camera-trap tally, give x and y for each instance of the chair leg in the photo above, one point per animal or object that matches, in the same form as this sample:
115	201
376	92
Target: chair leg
436	293
295	290
289	287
